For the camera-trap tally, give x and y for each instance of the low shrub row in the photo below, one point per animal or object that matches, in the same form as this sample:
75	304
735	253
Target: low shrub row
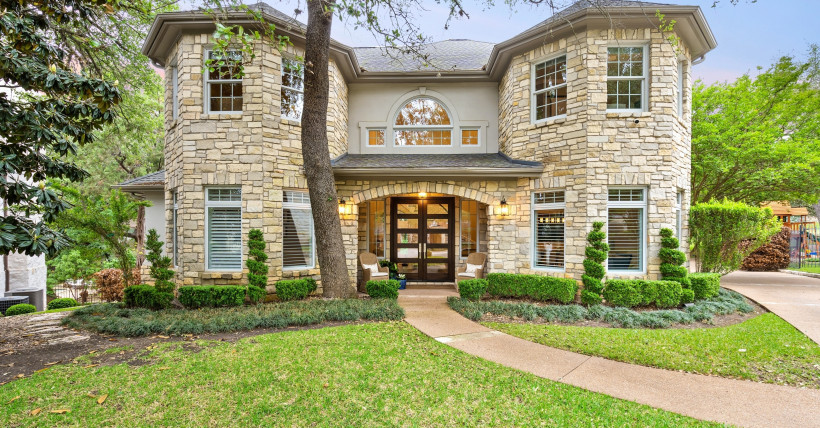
295	289
473	289
206	296
630	293
112	318
383	289
705	285
65	302
536	287
20	309
146	296
726	302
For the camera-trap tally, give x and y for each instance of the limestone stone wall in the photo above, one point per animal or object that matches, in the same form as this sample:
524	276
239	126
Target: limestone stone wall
591	150
257	150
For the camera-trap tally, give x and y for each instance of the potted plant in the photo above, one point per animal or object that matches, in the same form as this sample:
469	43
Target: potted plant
391	267
402	280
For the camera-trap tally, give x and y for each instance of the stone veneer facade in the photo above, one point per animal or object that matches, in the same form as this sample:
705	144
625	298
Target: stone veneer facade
584	154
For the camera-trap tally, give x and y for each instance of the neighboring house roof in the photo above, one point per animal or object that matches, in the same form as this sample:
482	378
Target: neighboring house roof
784	208
454	55
441	165
153	181
450	60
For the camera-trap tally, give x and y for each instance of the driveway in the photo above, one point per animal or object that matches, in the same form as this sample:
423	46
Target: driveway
794	298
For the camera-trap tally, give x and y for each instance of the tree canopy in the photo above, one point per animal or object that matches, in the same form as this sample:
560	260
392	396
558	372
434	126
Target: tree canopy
758	139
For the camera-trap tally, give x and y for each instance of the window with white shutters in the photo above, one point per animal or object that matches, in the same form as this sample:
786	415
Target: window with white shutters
224	229
548	218
297	239
625	229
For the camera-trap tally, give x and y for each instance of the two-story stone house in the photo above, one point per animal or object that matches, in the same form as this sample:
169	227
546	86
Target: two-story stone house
512	149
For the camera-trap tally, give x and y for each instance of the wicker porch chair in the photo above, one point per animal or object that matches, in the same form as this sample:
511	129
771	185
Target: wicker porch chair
381	272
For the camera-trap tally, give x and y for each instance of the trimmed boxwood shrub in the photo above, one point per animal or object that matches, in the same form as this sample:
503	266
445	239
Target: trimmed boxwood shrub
687	296
20	309
386	288
203	296
256	294
65	302
596	253
472	289
536	287
705	285
669	294
293	289
146	296
257	269
623	292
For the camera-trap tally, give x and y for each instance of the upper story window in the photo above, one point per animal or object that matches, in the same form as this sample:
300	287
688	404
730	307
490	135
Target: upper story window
223	82
626	78
293	88
681	82
550	88
423	122
174	92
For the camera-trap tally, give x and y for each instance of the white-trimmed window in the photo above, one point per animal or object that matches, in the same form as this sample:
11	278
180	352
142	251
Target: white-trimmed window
223	82
469	239
469	136
174	237
375	137
423	122
626	234
549	92
679	215
174	92
223	207
626	78
293	88
548	227
681	88
297	239
376	227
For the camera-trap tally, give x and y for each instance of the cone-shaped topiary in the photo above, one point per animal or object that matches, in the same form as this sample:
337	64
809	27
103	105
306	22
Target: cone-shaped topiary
596	253
672	260
257	269
160	265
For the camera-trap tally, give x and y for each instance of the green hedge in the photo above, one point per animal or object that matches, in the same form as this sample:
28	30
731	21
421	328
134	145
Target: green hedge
536	287
294	289
20	309
472	289
146	296
65	302
705	285
630	293
386	288
205	296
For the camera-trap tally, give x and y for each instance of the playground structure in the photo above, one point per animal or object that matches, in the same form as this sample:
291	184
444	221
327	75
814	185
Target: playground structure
804	243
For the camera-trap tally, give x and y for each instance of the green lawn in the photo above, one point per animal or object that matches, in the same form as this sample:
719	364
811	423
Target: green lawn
357	375
764	348
811	269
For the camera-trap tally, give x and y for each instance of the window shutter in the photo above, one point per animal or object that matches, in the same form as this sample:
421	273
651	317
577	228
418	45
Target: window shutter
224	238
297	237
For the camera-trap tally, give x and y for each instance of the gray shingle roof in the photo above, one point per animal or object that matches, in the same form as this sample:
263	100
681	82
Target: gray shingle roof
446	55
444	164
150	180
591	4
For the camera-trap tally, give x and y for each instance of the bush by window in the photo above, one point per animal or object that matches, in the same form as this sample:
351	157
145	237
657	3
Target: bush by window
536	287
472	289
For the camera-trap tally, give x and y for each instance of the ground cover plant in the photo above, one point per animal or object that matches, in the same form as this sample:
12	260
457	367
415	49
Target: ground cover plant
727	302
112	318
379	374
763	349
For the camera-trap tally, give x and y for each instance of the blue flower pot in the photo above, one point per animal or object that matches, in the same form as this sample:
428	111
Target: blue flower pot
403	283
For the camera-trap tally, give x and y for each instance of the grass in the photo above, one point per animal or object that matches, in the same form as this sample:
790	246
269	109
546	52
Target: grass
112	318
764	348
810	269
49	311
366	375
727	302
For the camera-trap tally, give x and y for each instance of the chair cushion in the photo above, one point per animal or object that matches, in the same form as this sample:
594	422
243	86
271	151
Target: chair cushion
373	268
375	273
470	274
471	268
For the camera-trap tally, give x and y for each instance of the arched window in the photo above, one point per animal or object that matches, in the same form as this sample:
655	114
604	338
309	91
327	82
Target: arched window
423	122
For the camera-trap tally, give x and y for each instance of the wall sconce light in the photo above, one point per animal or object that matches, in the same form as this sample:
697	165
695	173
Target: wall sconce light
422	195
503	207
344	207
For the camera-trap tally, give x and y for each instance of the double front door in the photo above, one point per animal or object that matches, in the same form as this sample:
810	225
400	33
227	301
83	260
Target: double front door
422	238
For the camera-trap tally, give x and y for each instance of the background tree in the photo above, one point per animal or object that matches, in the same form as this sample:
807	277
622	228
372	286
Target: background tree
109	218
758	139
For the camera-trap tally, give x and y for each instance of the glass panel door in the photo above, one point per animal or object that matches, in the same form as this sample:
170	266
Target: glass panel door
423	238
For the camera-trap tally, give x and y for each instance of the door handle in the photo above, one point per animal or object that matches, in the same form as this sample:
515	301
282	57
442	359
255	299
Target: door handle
421	255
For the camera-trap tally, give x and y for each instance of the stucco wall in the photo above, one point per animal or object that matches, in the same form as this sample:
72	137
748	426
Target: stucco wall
469	104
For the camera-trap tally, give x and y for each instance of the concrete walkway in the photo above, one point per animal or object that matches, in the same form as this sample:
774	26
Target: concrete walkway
704	397
794	298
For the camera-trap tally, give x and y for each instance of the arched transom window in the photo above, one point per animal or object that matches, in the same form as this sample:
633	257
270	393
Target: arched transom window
423	122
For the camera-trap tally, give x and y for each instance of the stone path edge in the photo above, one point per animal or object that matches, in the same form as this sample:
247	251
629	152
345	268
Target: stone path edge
737	402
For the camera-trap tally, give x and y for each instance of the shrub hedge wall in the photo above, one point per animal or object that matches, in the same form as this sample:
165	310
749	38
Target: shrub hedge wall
146	296
294	289
630	293
386	288
536	287
65	302
205	296
705	285
472	289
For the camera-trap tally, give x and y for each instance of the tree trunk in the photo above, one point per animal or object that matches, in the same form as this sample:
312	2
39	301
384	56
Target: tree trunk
324	202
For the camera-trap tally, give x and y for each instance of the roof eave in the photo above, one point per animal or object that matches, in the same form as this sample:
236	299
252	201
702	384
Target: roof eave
438	172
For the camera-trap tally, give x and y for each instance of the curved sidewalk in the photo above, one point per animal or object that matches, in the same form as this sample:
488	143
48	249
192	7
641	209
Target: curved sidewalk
712	398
